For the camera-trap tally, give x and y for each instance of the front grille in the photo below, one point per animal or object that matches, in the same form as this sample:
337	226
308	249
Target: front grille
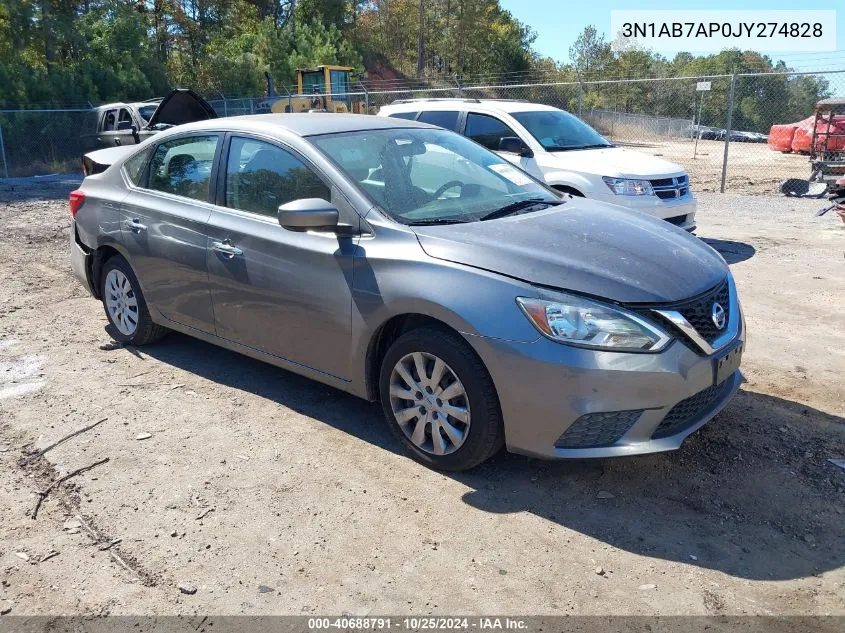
670	188
678	220
699	313
593	430
688	412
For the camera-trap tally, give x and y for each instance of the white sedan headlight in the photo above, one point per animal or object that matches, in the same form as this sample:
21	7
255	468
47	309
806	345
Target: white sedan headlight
578	321
628	187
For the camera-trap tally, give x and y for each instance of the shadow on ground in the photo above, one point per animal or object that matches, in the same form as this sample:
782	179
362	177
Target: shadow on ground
750	494
733	252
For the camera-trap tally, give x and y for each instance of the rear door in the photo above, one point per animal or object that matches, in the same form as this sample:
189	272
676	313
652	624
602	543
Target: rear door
282	292
164	229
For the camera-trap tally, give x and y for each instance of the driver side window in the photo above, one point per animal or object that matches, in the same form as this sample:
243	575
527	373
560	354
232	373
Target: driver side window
487	130
261	176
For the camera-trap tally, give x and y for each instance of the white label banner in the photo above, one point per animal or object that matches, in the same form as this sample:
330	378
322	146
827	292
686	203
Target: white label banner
701	31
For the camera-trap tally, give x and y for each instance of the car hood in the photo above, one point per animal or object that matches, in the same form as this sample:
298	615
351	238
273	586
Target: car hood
179	107
586	247
618	163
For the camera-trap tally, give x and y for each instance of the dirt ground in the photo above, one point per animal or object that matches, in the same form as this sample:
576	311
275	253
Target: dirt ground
267	493
752	167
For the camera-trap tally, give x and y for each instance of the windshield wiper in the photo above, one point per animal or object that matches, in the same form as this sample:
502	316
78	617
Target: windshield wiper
513	207
571	148
434	221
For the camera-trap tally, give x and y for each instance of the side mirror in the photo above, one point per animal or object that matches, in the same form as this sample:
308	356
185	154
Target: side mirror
515	145
135	134
308	214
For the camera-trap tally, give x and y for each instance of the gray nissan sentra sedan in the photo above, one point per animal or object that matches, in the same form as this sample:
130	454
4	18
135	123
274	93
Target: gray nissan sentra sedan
404	263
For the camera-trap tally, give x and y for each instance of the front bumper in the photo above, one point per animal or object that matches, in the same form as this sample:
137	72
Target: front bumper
680	211
560	401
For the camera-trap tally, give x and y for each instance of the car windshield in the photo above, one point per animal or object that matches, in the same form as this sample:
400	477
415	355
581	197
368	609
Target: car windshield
428	176
559	131
147	111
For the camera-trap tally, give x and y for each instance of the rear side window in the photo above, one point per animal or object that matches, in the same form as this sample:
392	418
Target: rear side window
447	119
261	176
110	121
135	166
183	166
487	130
404	115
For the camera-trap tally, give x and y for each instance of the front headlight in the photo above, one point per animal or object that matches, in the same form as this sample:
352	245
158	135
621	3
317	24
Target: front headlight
628	187
585	323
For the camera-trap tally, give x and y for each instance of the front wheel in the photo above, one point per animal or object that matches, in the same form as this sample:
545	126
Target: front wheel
125	306
440	401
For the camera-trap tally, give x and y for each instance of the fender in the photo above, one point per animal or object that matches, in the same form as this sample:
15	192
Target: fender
569	179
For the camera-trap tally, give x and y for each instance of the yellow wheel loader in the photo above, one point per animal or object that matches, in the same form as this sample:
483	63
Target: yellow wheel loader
321	89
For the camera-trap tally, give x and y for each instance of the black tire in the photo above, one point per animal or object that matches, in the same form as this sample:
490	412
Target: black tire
145	331
485	436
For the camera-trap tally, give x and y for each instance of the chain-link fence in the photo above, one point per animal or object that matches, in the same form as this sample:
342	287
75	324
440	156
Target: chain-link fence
716	127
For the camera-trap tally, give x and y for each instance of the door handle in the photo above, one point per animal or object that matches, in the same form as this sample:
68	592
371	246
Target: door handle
136	226
226	248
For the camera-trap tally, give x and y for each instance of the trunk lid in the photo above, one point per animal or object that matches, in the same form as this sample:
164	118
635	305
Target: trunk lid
181	106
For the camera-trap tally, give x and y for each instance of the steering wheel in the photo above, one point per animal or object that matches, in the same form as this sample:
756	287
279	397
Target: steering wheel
444	188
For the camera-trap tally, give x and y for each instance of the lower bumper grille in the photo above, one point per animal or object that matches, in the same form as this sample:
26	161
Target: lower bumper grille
687	412
593	430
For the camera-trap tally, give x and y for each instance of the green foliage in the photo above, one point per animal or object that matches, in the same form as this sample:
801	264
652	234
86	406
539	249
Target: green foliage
72	52
310	44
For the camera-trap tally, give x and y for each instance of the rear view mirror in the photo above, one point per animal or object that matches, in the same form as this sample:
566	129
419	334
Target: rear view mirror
409	147
308	214
515	145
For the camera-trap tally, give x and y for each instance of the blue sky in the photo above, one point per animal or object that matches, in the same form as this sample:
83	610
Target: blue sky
558	23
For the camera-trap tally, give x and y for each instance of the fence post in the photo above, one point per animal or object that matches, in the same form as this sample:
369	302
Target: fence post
580	96
366	97
728	132
3	154
460	88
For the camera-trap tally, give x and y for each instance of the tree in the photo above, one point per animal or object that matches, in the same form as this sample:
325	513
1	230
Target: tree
590	53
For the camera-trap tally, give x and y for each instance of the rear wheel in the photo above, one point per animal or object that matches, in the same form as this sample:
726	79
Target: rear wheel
124	304
440	401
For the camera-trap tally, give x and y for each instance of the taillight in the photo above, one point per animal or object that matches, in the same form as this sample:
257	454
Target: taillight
77	198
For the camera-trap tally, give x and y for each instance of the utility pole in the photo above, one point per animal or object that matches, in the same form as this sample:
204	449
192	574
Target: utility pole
421	42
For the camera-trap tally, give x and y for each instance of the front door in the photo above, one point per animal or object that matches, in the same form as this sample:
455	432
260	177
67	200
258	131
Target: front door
286	293
163	228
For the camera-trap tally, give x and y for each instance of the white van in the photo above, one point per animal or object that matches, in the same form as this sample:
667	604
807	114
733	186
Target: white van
565	152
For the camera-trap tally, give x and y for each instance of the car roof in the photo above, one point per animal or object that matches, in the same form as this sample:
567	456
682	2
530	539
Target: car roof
130	104
489	105
302	123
